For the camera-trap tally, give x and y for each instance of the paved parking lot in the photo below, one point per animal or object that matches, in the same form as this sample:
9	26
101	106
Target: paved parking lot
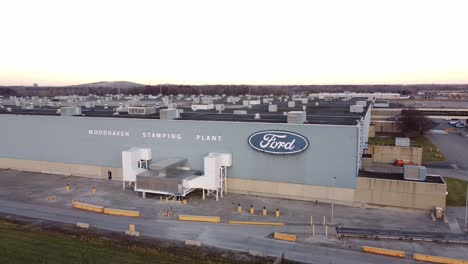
453	145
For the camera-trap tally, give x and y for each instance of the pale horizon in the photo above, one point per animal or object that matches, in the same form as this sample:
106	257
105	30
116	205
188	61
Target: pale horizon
56	43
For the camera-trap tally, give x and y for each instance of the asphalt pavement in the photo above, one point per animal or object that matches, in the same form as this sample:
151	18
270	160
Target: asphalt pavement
226	236
454	146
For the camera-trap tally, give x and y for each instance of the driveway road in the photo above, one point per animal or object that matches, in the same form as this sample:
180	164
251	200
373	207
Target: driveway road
233	237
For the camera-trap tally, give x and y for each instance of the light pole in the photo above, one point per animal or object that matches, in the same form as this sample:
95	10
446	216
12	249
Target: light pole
466	209
333	203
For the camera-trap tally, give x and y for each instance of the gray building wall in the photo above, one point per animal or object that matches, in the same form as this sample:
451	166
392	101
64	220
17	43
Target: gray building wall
332	151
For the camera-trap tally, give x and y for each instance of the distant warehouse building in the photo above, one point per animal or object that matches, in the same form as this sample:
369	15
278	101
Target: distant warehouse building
310	150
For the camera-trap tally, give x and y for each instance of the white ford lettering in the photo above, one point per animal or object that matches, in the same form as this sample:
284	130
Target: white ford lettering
270	141
278	142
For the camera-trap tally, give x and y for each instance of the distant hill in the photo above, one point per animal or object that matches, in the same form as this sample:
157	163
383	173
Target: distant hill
117	84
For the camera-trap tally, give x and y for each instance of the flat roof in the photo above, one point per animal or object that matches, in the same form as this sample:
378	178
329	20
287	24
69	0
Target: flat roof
318	111
397	176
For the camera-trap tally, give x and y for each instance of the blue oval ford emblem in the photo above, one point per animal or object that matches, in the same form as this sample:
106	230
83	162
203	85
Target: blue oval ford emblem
278	142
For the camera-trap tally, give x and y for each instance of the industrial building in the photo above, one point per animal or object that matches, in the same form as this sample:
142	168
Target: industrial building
295	147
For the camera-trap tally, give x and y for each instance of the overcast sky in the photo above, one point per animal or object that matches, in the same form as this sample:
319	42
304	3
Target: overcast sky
233	42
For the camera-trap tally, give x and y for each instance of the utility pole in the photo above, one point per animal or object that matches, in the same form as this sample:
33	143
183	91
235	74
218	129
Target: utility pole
333	203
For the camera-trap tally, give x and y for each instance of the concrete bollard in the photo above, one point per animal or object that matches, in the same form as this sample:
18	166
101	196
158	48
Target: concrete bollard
311	220
93	191
264	211
252	210
326	231
68	187
239	208
83	225
277	214
324	220
194	243
313	230
257	253
131	231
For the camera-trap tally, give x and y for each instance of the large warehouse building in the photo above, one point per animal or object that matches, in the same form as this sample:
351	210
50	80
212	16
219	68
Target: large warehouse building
289	147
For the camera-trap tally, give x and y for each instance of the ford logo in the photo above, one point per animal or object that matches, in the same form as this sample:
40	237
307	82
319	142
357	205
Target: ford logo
278	142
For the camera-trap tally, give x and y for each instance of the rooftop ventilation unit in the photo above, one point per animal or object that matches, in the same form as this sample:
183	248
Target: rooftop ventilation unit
296	117
356	108
381	104
414	173
70	110
220	107
402	142
363	103
168	114
272	108
196	107
141	110
240	112
291	104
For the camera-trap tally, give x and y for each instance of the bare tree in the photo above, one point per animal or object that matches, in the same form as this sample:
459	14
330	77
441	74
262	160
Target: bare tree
413	123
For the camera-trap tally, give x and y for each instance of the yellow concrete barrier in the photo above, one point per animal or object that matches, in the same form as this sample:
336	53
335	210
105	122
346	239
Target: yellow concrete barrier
256	223
121	212
200	218
383	251
435	259
87	207
283	236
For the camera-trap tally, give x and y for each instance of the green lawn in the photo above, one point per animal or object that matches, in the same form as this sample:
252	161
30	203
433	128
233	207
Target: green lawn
456	191
429	154
26	245
388	141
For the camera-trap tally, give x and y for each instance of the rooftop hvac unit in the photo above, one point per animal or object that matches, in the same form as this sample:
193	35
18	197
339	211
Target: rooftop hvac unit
363	103
240	112
296	117
291	104
402	142
70	110
381	104
168	114
272	108
220	107
414	173
356	108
